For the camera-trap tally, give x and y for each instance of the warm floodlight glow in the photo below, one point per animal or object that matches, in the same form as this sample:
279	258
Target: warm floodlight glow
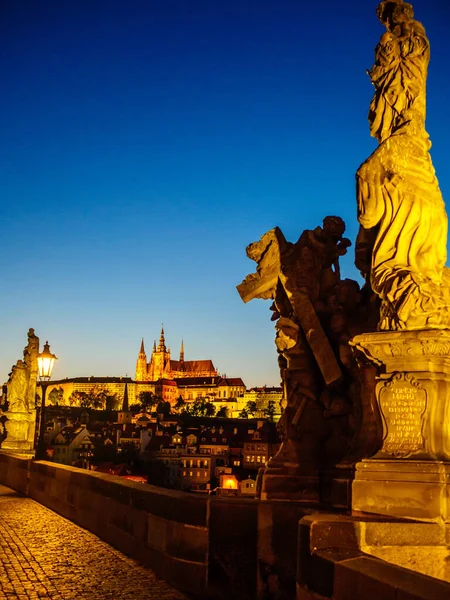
230	483
46	360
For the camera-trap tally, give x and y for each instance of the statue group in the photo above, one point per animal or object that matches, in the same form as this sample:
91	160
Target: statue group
18	401
327	327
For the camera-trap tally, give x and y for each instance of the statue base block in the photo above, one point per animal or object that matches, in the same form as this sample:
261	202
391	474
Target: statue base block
330	487
406	489
289	484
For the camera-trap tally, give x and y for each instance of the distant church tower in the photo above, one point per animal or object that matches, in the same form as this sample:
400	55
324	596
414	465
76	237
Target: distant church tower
159	367
141	365
124	415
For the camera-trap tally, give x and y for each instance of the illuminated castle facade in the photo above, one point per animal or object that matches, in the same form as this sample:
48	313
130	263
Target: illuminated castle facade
161	366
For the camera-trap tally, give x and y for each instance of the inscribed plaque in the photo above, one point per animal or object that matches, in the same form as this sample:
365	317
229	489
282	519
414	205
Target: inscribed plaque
402	401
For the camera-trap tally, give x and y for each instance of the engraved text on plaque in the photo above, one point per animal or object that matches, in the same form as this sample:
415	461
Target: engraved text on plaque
403	401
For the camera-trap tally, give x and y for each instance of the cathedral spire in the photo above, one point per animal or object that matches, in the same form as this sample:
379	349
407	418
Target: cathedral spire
141	364
162	341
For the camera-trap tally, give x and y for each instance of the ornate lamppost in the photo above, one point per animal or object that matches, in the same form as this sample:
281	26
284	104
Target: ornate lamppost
46	361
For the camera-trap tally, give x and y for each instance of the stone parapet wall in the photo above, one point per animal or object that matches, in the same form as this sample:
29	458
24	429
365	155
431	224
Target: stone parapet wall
164	530
234	548
201	544
14	471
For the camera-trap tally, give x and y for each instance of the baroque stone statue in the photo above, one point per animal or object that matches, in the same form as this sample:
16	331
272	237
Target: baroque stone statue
401	249
402	244
19	414
316	314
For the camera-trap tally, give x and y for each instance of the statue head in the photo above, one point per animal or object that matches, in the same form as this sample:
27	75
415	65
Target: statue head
392	13
333	227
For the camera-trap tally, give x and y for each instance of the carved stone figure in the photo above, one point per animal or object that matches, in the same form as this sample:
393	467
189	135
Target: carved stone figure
316	314
401	248
18	387
30	355
20	395
402	243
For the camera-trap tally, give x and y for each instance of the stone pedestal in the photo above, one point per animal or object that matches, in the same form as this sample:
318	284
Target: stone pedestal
402	488
20	429
410	476
287	483
327	487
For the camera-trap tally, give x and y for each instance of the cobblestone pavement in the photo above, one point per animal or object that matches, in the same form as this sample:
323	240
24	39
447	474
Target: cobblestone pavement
43	555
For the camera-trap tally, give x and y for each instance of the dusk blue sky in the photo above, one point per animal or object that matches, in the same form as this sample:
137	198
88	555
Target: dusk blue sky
145	143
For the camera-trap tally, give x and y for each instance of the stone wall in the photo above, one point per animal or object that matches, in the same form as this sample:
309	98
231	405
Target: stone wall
14	471
163	529
191	541
233	548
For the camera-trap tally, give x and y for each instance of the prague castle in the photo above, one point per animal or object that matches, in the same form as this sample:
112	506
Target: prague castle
163	377
161	366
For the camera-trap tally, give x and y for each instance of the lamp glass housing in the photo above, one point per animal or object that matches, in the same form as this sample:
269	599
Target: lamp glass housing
46	361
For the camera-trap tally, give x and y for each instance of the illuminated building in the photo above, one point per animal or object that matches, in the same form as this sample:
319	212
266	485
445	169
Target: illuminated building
71	443
162	366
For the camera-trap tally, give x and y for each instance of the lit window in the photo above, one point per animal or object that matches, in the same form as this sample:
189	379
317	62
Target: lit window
184	473
190	473
198	473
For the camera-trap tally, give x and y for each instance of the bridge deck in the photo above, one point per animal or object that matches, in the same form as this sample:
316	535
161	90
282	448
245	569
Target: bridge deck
43	555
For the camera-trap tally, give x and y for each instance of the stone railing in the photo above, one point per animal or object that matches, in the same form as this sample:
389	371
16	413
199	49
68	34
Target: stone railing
14	472
232	548
195	542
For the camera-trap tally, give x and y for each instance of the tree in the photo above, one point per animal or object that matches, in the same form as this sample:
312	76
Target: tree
78	399
201	407
112	402
180	404
95	399
269	412
97	402
251	408
243	414
56	395
147	400
222	412
163	408
210	409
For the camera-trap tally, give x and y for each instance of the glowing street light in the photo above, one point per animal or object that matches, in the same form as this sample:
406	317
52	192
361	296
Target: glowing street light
46	361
